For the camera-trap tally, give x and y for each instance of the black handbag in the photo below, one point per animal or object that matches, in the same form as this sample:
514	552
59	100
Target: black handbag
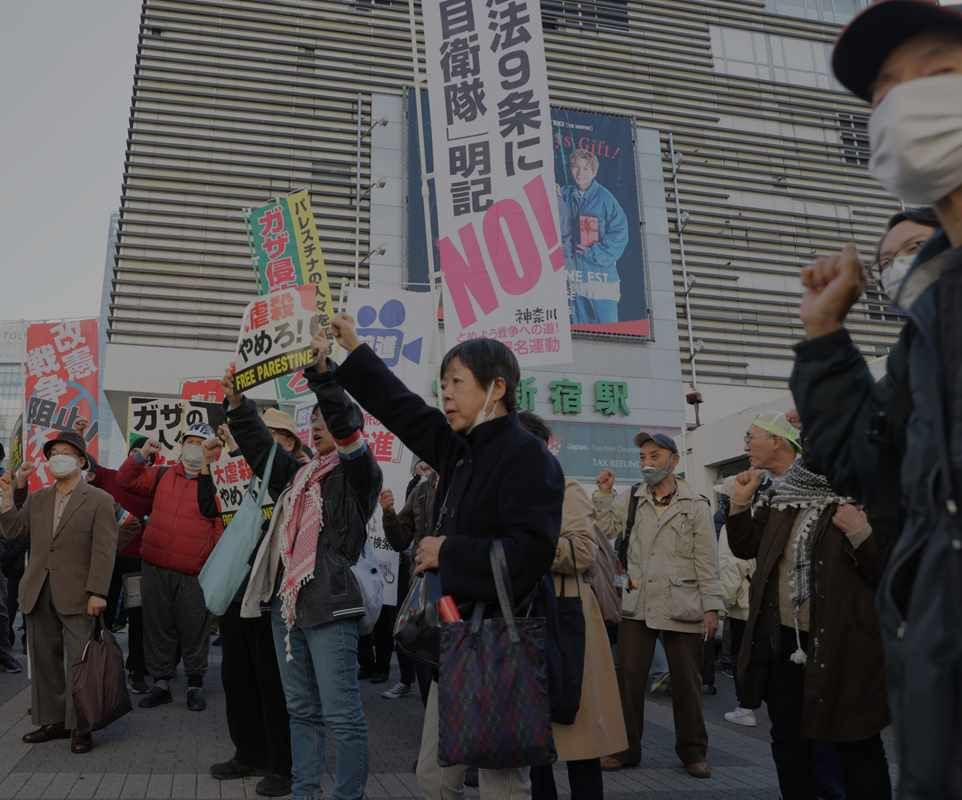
493	704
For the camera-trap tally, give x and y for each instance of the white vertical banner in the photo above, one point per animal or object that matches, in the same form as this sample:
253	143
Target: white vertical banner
500	250
400	327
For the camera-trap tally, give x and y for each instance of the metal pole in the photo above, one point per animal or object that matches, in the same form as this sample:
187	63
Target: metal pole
357	196
684	264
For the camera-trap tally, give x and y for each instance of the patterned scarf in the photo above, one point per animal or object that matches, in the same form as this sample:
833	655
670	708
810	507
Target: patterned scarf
303	521
811	494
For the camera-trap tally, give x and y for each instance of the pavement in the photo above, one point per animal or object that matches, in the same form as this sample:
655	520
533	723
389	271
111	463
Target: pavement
165	753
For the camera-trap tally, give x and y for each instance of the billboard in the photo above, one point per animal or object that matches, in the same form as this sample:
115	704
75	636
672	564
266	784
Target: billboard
600	225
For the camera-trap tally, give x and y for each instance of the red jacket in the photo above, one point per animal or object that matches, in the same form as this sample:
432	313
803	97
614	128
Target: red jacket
136	504
184	524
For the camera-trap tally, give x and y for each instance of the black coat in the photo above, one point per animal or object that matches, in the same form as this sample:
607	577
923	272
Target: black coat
498	482
902	439
844	696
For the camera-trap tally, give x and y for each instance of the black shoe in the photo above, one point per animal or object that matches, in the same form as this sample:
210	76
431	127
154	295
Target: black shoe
81	742
709	689
231	770
156	697
10	664
471	777
195	698
379	677
138	685
273	786
46	733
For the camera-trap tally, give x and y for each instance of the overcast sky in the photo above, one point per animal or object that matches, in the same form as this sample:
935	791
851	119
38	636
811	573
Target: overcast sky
66	71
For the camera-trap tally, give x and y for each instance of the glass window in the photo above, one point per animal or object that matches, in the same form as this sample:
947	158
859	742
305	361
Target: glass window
836	12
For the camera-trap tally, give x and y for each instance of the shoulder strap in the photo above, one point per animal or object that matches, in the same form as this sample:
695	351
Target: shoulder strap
622	544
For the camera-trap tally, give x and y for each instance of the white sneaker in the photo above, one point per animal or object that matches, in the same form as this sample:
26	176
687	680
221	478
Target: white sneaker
400	690
742	716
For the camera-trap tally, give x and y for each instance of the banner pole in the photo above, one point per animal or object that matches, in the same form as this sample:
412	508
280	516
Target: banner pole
357	194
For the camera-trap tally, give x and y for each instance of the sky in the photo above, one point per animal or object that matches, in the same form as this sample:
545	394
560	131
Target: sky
66	73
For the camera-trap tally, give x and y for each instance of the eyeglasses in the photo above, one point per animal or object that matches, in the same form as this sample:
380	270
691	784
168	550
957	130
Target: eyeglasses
910	248
751	437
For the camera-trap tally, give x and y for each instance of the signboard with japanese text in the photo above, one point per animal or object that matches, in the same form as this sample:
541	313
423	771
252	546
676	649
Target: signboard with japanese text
232	476
275	336
399	326
62	382
286	252
167	420
206	390
499	240
15	455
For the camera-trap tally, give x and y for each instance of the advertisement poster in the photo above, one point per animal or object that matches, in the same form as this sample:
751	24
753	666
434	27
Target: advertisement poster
275	337
286	252
499	241
604	258
398	325
62	382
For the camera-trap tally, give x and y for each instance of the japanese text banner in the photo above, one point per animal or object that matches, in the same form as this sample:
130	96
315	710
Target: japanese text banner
275	336
62	383
498	234
399	326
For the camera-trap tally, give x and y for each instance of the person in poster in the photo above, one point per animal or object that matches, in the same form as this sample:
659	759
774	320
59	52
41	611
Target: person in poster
594	231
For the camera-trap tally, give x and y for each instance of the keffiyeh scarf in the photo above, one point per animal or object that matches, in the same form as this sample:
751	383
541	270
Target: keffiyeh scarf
810	494
303	521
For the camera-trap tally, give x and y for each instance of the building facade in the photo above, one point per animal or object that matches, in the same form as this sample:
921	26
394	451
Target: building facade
752	160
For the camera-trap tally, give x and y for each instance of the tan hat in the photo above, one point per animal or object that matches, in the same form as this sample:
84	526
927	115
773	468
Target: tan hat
279	421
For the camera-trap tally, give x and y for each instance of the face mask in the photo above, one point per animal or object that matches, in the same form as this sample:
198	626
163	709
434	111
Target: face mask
654	475
484	415
62	465
894	274
916	136
192	457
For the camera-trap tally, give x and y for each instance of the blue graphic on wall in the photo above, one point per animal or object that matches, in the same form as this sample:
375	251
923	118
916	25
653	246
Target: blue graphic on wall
387	339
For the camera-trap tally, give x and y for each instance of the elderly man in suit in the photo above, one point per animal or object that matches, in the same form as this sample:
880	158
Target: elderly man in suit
73	538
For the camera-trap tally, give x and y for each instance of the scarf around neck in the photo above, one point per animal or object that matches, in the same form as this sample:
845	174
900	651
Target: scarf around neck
810	494
303	521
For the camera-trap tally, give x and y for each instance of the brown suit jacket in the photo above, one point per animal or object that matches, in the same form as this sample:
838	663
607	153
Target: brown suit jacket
78	558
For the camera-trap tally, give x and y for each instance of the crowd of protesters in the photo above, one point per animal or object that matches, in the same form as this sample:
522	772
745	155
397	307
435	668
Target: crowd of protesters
834	561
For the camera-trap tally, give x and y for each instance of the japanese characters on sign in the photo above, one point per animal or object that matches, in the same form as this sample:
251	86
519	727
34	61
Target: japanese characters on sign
232	478
499	244
275	336
61	384
166	420
286	251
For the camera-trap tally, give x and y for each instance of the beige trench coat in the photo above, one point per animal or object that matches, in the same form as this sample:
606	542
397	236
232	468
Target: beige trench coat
599	728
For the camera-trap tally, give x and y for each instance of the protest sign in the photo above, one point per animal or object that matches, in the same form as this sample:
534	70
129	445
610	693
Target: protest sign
286	252
399	326
62	383
203	389
232	477
499	242
15	457
275	337
166	420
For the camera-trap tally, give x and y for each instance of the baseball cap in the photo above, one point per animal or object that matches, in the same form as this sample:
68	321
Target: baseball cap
778	425
659	439
867	41
201	430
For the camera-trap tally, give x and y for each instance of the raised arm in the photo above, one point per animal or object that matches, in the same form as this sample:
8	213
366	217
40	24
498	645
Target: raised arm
14	521
136	476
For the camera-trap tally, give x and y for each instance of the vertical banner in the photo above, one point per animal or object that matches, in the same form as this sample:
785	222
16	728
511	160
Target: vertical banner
286	252
499	239
62	382
399	326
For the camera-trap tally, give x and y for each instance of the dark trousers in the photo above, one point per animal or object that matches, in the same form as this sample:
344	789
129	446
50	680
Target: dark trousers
736	629
864	766
13	576
136	662
584	777
256	709
710	656
685	652
176	621
6	649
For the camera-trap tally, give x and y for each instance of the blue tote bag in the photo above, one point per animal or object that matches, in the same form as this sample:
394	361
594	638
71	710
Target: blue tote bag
229	562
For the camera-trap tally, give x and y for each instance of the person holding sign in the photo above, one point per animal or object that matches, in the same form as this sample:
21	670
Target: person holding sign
302	569
496	480
183	528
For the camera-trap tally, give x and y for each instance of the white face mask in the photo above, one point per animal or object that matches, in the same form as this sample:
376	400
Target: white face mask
894	274
63	465
916	135
192	457
484	415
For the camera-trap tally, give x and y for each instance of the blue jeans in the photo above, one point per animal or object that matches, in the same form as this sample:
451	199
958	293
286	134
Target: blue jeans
322	693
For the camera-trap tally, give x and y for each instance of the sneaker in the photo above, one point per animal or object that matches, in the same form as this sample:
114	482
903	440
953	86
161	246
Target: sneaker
138	685
742	716
157	696
274	786
195	698
400	690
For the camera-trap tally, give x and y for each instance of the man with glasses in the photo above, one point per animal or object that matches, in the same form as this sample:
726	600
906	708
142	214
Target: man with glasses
906	233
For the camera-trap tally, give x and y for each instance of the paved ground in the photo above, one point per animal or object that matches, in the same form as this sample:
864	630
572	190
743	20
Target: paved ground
166	753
